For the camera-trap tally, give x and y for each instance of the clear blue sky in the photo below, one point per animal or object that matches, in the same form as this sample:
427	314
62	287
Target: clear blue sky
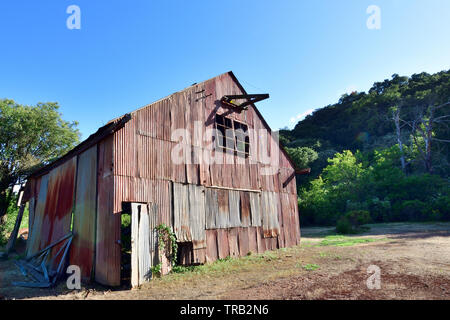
130	53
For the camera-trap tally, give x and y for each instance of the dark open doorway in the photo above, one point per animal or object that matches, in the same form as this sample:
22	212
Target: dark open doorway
125	266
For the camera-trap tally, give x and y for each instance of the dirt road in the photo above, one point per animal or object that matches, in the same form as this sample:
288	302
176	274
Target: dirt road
413	260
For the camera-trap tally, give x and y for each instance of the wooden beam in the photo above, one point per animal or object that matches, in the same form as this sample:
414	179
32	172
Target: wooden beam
13	237
233	189
303	171
251	99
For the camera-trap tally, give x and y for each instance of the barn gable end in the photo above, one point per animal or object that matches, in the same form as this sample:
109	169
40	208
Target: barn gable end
220	208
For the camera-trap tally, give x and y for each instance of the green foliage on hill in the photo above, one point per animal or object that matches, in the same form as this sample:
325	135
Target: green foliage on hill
385	151
356	182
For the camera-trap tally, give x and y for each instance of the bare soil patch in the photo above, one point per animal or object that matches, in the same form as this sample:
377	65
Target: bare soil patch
414	260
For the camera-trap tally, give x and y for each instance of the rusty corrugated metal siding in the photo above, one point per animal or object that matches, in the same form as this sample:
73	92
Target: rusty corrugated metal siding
107	259
53	211
189	214
34	240
226	209
85	213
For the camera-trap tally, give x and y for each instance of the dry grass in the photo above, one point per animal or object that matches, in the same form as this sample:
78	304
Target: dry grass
413	259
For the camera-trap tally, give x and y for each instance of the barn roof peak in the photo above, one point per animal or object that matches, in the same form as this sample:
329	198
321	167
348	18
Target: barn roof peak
119	122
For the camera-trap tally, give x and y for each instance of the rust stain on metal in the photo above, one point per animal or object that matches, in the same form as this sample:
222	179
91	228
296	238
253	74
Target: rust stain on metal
245	209
134	164
222	243
85	213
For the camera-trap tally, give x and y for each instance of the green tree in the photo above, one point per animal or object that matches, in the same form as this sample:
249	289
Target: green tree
30	137
302	156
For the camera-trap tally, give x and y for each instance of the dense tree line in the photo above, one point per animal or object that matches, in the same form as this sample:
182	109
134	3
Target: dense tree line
387	148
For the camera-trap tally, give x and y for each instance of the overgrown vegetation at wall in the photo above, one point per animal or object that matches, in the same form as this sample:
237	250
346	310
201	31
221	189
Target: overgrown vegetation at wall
385	152
11	216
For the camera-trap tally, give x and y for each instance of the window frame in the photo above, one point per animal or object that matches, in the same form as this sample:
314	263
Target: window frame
221	136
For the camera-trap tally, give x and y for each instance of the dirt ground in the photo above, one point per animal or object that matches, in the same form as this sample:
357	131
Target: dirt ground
414	262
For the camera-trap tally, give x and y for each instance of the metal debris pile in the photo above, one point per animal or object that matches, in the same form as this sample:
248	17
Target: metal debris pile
39	265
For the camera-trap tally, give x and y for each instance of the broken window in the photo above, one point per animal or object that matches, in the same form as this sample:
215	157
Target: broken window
232	136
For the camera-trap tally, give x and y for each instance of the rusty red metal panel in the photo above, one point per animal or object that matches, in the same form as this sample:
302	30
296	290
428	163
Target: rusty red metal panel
58	206
233	242
153	158
164	201
107	259
142	190
125	150
245	209
223	218
252	240
261	243
222	243
53	209
199	255
84	220
244	247
269	209
211	245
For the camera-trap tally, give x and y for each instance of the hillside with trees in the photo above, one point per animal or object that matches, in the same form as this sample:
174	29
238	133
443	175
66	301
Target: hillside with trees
384	152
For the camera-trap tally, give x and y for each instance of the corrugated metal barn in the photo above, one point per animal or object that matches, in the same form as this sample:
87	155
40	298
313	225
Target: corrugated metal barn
217	209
